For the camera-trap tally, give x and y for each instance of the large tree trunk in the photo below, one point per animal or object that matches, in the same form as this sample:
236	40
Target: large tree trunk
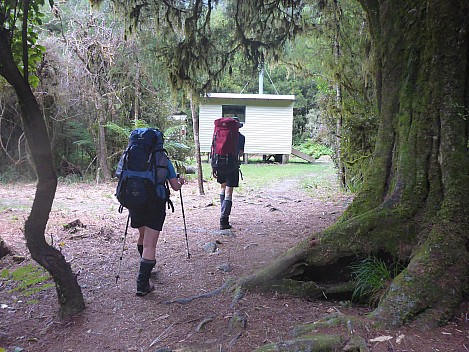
414	204
69	292
423	99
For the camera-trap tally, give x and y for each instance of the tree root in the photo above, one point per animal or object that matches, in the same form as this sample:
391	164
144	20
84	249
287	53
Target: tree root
202	324
217	291
427	290
432	286
306	338
316	343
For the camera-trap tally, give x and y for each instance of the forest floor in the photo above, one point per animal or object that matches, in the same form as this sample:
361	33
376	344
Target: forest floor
265	223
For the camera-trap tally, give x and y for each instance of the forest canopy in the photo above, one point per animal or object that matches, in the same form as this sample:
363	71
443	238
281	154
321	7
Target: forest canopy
98	74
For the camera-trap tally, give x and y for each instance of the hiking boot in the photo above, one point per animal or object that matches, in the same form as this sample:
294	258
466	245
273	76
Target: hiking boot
224	223
143	280
146	290
225	214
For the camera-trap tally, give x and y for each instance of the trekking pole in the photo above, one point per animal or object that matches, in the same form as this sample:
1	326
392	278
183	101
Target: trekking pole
123	246
184	218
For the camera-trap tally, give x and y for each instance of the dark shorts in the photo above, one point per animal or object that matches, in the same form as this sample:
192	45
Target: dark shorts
152	217
231	178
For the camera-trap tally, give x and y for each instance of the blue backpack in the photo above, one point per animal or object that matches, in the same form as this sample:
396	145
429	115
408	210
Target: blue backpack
142	171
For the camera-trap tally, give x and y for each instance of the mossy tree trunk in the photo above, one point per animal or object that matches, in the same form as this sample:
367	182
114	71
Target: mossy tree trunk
69	292
414	204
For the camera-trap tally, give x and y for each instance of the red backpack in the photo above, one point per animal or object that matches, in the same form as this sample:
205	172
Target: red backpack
224	153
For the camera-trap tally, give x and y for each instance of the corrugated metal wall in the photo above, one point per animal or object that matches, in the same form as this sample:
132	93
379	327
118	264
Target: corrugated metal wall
268	126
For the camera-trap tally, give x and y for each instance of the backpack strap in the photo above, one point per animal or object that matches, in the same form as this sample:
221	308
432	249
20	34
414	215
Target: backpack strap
212	149
125	159
166	183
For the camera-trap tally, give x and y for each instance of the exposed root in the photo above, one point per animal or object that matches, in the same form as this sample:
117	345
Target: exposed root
306	337
427	291
219	290
202	324
316	343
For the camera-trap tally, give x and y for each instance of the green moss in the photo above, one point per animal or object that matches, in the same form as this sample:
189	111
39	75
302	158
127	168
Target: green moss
28	280
313	343
428	287
380	229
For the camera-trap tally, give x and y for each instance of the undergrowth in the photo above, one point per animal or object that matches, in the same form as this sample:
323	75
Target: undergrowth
314	149
372	277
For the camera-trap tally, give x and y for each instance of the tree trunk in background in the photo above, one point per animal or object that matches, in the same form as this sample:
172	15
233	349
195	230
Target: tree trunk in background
338	99
68	291
137	94
413	208
195	126
103	155
102	167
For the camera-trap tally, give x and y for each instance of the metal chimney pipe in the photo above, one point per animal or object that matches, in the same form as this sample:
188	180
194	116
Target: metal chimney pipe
261	80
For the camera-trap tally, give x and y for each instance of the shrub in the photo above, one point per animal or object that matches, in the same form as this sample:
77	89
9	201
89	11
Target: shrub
314	149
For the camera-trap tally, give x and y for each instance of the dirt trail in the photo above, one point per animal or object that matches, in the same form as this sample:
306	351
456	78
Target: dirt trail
265	224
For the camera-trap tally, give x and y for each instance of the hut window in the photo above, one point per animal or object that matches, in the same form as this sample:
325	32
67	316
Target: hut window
238	111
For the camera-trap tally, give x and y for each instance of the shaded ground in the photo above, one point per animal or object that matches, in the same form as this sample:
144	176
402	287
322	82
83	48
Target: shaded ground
265	224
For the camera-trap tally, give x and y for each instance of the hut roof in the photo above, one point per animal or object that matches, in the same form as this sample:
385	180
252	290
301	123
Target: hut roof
250	96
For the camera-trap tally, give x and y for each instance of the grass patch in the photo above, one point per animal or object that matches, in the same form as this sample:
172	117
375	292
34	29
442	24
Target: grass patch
27	280
372	277
314	178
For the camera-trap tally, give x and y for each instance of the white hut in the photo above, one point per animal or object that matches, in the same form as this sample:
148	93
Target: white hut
267	119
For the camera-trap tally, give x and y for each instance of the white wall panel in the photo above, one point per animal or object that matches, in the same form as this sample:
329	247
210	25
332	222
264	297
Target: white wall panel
268	126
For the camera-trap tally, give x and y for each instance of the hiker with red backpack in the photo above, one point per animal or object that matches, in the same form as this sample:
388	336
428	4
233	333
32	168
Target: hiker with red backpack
227	147
144	173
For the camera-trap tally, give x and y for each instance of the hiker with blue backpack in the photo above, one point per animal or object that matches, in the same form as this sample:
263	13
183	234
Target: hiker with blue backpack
227	147
145	174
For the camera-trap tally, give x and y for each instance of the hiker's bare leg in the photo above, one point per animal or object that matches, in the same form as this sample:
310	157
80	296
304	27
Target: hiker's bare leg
141	233
150	238
229	192
147	263
226	191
